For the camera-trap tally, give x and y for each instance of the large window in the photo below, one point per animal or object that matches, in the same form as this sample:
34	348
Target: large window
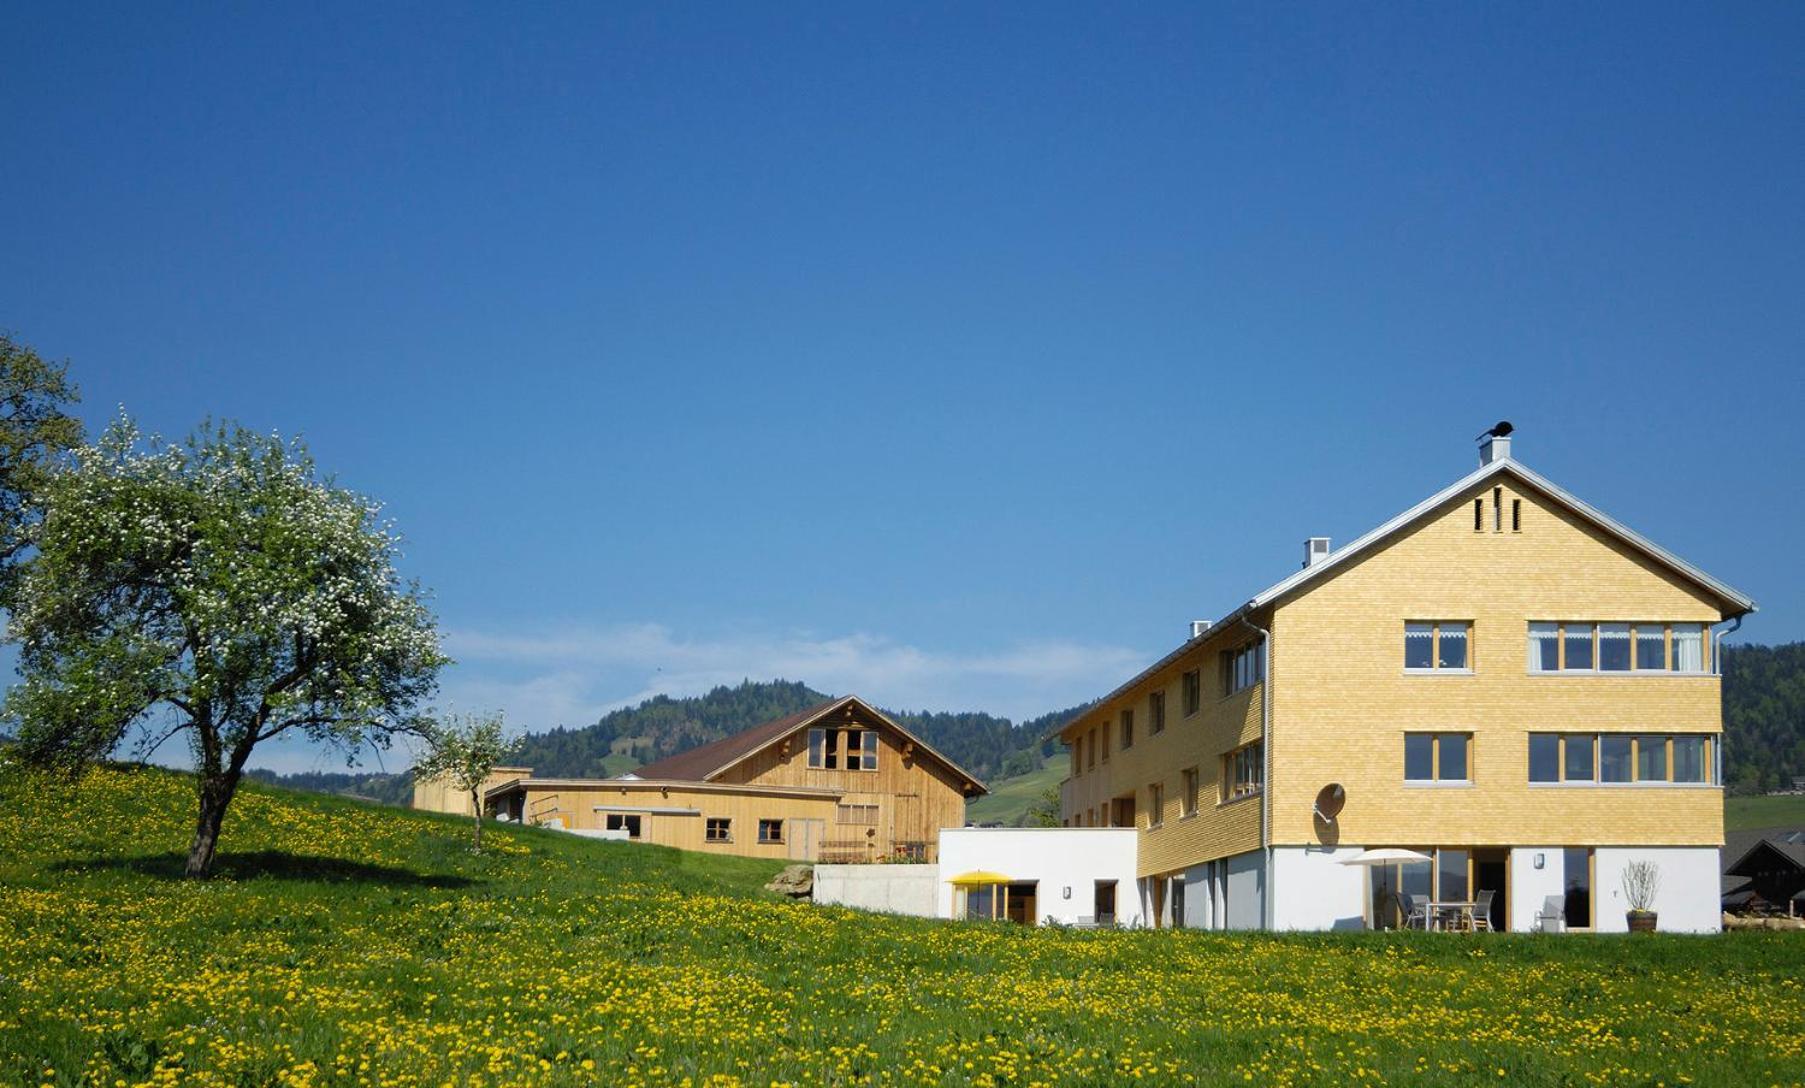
1243	772
1643	647
1436	757
1193	691
1615	759
1433	645
1156	713
1240	668
842	749
630	822
719	829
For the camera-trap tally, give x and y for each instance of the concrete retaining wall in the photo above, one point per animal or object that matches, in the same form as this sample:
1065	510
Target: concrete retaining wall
891	889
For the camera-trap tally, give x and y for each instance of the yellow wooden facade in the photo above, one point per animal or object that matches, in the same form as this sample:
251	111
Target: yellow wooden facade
1342	701
439	795
893	811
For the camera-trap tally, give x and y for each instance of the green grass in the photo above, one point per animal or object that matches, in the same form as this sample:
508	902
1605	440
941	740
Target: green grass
1749	813
347	944
1009	799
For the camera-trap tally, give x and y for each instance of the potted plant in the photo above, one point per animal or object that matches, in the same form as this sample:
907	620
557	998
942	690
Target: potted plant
1641	881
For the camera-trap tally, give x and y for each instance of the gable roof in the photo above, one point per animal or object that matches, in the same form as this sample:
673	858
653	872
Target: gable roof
1737	602
708	761
1788	844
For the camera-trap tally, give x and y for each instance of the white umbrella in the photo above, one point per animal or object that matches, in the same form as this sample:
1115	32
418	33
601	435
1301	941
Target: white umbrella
1383	856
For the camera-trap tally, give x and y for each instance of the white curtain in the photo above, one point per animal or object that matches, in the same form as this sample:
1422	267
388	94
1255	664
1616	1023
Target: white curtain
1688	647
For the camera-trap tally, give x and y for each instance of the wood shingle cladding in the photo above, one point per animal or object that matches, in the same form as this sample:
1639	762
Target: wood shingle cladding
885	794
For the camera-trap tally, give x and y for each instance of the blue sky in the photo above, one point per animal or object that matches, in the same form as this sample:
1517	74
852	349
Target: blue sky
954	355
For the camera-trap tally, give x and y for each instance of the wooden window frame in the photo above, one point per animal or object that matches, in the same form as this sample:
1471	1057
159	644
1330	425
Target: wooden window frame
1156	713
1125	722
1435	666
1665	740
848	747
1234	787
722	833
1156	805
1637	628
1193	788
770	831
1436	777
1192	688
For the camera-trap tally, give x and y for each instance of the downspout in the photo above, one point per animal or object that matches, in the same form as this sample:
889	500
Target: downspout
1717	666
1265	763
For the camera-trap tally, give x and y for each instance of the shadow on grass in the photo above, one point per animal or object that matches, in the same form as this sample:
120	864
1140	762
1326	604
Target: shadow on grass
273	864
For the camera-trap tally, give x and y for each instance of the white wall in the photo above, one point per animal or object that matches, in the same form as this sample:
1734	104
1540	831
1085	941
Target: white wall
1246	891
892	889
1529	886
1059	859
1689	900
1312	890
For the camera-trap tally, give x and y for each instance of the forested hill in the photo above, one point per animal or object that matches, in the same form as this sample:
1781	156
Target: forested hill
1764	716
984	744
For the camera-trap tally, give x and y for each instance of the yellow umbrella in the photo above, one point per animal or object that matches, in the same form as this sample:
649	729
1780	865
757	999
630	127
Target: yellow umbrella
977	877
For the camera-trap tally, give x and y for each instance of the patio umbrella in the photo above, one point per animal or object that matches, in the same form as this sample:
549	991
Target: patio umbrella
977	877
1383	856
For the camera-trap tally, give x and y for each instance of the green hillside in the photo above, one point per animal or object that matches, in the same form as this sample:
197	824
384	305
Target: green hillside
350	944
1010	799
1749	813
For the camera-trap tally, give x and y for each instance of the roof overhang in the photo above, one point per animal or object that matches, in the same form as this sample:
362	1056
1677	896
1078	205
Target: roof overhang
658	786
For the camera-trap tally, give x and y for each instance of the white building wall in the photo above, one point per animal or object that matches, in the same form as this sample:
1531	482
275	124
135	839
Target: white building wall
1246	892
1312	890
1065	862
1530	887
1688	901
891	889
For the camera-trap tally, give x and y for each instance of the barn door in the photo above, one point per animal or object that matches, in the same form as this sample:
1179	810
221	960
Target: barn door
805	839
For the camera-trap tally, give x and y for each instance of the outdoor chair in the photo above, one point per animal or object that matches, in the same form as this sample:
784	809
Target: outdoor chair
1482	910
1552	918
1416	910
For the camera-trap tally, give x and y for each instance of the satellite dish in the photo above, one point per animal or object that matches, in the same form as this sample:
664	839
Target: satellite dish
1329	800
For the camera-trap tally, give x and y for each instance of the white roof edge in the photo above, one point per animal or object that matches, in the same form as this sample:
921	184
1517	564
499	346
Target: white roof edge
1359	544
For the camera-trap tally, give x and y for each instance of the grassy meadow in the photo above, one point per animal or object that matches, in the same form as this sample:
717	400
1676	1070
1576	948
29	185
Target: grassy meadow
345	944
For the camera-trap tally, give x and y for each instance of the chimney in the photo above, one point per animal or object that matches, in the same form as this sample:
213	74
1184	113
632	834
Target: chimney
1316	549
1198	627
1494	445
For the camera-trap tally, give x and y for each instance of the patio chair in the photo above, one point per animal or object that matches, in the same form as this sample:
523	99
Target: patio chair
1552	918
1416	910
1482	910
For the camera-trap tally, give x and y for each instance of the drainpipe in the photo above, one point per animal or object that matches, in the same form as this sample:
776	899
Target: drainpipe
1265	762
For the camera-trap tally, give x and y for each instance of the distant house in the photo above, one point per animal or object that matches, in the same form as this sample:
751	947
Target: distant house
839	782
1765	869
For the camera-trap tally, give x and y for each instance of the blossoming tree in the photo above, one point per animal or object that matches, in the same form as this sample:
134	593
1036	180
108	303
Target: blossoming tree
465	750
220	589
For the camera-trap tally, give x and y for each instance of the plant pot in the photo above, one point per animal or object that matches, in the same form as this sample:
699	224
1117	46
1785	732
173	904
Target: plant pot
1642	921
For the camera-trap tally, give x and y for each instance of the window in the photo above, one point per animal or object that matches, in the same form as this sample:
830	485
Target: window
842	749
1127	729
863	815
1436	757
1479	515
1616	647
1614	759
1431	645
1156	804
1156	712
1243	772
1689	759
1577	861
1688	647
719	829
1103	737
1193	691
1189	801
630	822
1544	647
771	831
1090	751
1077	755
1240	668
1577	766
1451	874
1613	647
1576	646
1544	757
1651	759
1516	515
1497	509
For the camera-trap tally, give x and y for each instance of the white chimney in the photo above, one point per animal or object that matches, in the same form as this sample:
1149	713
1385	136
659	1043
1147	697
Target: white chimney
1494	448
1316	549
1198	627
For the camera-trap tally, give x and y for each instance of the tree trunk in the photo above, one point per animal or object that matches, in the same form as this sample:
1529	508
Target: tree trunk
476	810
216	794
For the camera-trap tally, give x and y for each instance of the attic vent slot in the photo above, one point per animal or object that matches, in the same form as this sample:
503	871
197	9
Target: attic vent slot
1516	515
1478	515
1497	509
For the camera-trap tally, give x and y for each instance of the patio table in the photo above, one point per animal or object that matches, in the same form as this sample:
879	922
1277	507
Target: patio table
1461	909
